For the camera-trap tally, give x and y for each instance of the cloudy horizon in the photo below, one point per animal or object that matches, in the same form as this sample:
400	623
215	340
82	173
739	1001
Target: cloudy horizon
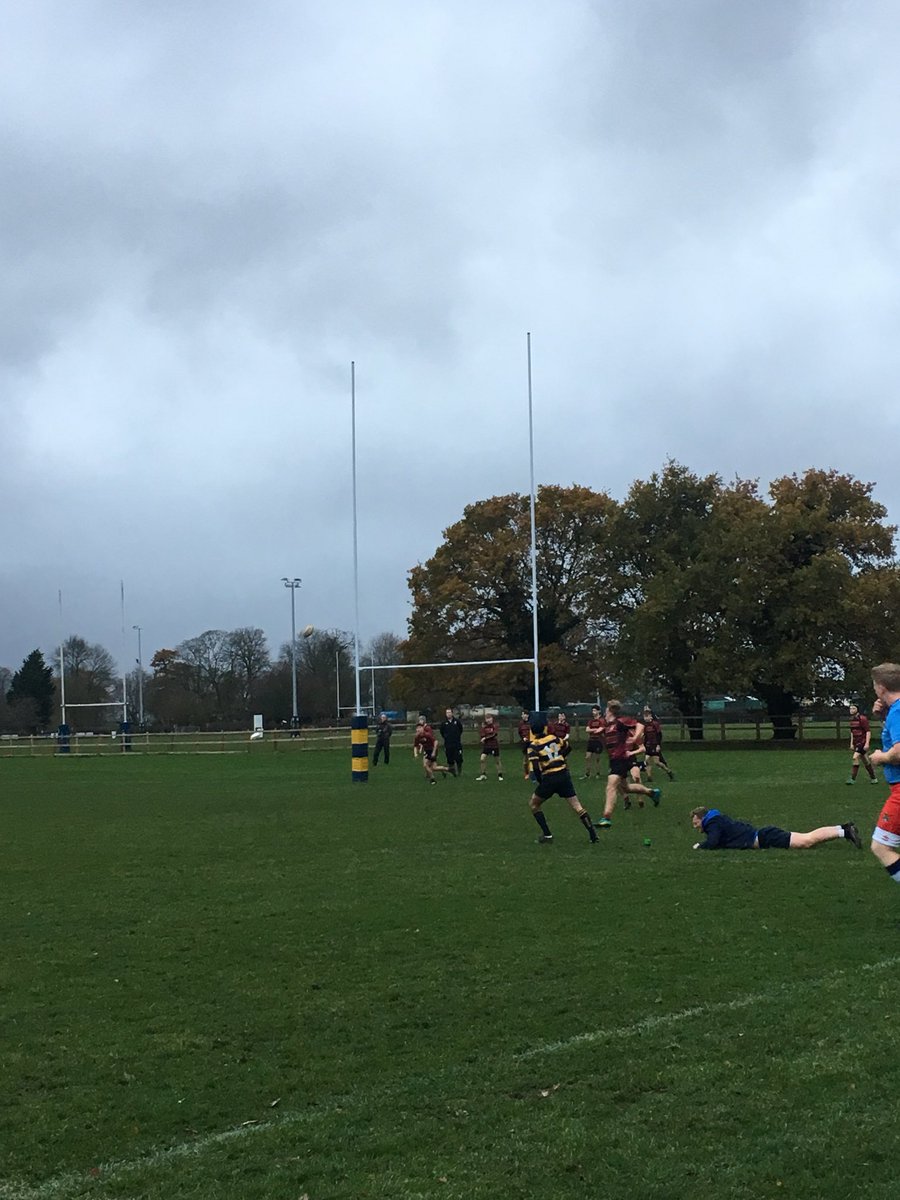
209	210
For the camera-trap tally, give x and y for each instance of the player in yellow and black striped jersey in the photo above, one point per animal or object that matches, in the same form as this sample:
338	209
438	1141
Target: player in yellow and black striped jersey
553	779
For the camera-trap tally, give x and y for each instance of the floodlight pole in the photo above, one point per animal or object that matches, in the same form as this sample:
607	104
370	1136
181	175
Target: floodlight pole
293	584
534	591
140	664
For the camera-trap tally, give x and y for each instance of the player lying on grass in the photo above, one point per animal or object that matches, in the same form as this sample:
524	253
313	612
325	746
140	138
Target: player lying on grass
548	765
725	833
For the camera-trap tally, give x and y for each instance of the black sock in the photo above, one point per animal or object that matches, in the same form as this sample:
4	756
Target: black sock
542	821
585	819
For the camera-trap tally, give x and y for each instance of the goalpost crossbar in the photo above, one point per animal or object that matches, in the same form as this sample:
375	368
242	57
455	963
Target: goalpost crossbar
481	662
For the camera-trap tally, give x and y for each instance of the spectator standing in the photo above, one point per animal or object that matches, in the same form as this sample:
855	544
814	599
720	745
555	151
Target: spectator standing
383	732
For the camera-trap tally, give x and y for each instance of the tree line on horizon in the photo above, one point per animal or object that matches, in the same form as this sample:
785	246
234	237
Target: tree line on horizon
218	679
686	588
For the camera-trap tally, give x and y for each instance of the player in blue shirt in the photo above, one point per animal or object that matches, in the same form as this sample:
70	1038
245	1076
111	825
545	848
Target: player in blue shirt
725	833
886	837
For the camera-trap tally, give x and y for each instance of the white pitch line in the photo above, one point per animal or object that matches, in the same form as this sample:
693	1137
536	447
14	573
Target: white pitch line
58	1187
696	1010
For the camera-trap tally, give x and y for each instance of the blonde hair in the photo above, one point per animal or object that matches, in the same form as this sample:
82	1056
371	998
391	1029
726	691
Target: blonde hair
699	812
888	675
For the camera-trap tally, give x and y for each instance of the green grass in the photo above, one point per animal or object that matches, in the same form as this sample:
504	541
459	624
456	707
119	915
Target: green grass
243	976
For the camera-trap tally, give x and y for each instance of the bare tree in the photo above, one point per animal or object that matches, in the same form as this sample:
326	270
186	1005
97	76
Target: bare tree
323	668
250	659
383	649
91	677
208	659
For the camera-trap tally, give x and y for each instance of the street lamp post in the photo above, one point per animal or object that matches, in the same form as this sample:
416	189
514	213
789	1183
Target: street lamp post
293	584
140	680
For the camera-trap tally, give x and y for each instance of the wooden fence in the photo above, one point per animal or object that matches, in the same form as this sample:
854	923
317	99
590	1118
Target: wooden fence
811	732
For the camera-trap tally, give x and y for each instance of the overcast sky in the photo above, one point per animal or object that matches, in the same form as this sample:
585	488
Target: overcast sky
208	209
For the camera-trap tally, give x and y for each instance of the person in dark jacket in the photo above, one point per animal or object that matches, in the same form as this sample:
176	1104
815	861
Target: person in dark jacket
725	833
451	730
383	731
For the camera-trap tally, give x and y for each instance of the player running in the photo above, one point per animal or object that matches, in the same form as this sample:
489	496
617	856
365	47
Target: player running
653	745
424	743
490	748
860	737
553	778
624	738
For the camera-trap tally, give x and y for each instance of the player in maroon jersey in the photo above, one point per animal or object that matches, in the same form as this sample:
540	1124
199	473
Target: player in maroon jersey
560	728
653	745
860	736
524	732
624	738
595	744
490	748
424	743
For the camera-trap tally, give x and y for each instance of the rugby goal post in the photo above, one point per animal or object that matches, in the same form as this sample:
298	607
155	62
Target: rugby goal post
64	734
359	724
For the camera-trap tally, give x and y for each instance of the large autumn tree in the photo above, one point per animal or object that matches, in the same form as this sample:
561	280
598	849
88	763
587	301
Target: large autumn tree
823	597
682	540
689	586
472	599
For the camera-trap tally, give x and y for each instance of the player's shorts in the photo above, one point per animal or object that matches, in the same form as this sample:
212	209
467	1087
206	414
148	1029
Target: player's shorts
491	751
860	749
652	751
621	766
430	758
887	831
558	784
595	746
770	837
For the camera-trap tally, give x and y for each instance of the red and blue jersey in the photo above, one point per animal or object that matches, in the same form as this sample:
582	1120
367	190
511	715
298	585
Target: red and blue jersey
890	736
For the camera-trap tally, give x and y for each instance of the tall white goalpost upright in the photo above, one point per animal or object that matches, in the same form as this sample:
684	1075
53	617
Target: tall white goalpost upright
359	728
534	591
63	733
359	725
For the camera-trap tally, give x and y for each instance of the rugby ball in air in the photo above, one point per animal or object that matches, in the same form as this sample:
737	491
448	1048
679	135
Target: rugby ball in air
309	631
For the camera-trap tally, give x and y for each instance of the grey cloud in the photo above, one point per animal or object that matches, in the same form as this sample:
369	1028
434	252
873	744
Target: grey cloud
208	210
